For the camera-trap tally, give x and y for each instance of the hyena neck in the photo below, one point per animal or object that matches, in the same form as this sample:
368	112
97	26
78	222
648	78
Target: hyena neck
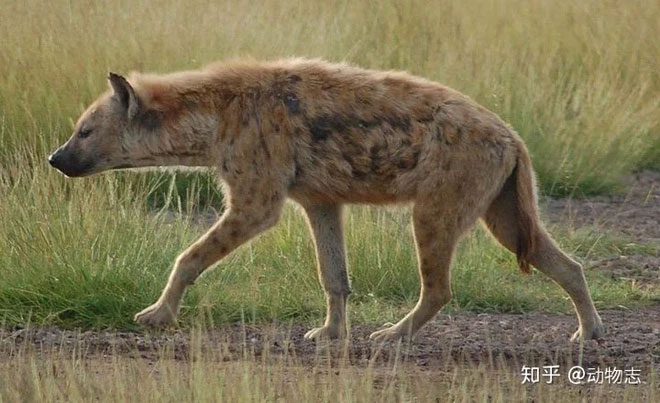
191	139
185	136
191	109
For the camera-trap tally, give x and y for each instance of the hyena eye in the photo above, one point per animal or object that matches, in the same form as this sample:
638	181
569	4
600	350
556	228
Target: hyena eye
84	133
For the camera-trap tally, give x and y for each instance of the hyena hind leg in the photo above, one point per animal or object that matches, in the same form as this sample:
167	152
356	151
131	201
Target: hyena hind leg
436	231
325	222
236	227
502	217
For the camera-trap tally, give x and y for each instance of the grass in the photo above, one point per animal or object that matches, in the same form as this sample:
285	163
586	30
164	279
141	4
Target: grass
124	251
213	374
579	82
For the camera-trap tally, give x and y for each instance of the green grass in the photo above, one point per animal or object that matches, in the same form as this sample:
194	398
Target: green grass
92	253
578	81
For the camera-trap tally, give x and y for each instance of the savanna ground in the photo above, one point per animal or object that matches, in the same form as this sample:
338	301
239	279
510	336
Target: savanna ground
579	80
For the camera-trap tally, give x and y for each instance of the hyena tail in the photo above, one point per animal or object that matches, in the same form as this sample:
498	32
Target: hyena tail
513	216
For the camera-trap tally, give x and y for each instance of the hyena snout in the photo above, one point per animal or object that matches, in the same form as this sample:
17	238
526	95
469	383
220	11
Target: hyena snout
70	164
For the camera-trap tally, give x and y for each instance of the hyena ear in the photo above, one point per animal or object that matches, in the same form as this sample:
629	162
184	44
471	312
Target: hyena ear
125	94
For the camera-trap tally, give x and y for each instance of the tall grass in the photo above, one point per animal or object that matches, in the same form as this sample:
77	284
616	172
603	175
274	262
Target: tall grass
578	80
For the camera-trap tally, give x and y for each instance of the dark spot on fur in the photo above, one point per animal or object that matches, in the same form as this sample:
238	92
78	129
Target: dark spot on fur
376	158
369	124
415	158
322	127
262	139
294	78
292	103
425	119
297	169
408	163
438	133
399	122
358	174
222	250
356	171
428	284
348	157
234	233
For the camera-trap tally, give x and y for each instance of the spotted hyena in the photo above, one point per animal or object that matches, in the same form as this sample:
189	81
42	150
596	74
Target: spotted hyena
325	135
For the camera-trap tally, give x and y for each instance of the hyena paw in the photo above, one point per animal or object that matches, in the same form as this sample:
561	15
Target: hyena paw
391	333
157	315
597	332
326	332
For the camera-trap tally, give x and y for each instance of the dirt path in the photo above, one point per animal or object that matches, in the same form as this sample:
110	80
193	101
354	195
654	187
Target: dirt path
634	215
633	340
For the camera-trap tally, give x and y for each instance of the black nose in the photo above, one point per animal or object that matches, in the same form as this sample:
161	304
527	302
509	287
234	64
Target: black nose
53	159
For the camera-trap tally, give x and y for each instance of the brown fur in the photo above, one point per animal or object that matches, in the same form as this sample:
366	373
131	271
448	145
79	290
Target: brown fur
324	135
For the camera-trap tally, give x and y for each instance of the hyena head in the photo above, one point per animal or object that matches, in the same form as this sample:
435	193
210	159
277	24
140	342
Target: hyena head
124	129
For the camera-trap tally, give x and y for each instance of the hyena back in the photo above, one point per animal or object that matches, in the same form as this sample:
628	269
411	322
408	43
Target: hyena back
325	135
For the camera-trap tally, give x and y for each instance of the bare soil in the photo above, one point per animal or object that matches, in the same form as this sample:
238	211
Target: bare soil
505	340
633	338
634	215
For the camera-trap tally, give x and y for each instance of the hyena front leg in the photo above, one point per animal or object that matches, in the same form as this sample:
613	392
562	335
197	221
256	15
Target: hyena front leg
325	222
237	225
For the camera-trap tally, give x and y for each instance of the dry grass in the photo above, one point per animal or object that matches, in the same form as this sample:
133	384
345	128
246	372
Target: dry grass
70	374
578	80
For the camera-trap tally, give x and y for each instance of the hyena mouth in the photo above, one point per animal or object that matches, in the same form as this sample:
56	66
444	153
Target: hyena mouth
124	166
71	166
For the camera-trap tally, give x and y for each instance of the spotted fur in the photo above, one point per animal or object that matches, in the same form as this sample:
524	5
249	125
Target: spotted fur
325	135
